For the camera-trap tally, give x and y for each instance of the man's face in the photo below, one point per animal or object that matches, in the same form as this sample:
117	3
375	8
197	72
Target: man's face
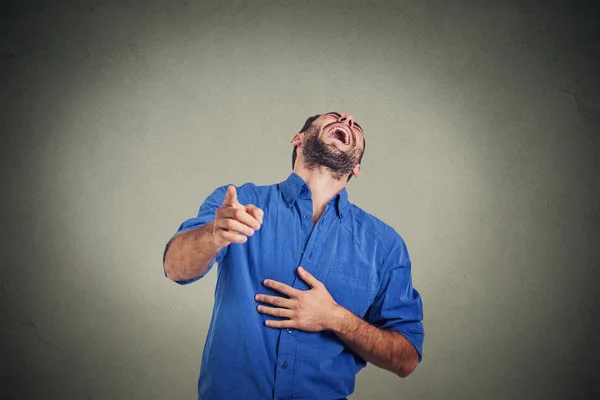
334	141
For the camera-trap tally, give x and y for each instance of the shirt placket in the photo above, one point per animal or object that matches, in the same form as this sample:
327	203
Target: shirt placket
284	377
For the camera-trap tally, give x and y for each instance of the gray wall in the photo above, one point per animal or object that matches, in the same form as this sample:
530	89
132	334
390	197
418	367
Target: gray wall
118	118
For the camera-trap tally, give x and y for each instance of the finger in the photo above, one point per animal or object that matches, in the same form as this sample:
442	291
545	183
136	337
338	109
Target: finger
274	300
231	196
232	237
235	226
281	288
276	312
240	214
308	278
255	212
286	323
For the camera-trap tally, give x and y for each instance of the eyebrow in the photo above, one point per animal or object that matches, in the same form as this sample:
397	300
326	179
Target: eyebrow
340	115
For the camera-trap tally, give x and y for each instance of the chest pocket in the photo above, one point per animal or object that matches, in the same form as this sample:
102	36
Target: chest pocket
352	285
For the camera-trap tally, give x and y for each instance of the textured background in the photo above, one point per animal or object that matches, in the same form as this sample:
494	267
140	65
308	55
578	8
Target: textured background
119	117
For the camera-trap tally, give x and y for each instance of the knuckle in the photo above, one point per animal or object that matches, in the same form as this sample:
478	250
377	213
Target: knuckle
239	213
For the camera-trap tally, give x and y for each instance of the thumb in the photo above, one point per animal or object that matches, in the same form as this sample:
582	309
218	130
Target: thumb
231	197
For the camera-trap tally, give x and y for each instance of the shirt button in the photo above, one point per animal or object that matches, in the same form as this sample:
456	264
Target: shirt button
305	216
289	330
284	364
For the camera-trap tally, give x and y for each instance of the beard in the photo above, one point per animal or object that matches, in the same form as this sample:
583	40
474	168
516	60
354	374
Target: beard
319	155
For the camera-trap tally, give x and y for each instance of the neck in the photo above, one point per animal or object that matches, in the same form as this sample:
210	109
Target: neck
322	186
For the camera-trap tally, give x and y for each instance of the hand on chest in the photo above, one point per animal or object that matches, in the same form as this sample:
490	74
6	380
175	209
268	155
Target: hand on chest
332	253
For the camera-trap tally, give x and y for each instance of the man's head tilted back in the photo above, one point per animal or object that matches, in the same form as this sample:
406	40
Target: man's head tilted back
333	141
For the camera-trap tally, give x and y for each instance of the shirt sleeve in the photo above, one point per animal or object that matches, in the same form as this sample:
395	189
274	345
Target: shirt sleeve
206	214
397	305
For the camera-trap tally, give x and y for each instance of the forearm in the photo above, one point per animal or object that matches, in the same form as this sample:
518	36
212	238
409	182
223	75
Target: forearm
385	349
189	254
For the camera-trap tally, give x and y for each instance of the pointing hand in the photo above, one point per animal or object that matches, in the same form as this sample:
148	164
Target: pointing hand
234	222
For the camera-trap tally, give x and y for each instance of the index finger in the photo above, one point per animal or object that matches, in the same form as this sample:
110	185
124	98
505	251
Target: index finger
281	287
230	196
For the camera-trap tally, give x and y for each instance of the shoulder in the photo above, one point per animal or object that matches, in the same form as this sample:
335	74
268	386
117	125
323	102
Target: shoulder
387	237
247	192
257	191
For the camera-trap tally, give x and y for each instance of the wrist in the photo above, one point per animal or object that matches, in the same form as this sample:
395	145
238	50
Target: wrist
212	237
340	317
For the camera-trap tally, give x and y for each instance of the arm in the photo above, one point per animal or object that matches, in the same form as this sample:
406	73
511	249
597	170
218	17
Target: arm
385	349
189	254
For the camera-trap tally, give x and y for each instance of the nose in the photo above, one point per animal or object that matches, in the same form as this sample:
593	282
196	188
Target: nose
347	118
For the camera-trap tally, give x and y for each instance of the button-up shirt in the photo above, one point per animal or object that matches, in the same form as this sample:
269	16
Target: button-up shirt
363	263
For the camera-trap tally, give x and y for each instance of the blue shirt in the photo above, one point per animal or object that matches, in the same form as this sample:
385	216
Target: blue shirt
363	263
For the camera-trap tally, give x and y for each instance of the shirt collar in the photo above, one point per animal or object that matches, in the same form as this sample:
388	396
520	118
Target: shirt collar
292	187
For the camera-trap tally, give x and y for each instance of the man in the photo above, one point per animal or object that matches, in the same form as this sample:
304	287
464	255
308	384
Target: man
309	288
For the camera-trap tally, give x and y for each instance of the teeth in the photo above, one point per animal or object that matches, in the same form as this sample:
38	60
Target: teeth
340	129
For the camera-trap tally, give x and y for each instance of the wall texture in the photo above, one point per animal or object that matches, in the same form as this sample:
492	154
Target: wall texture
119	117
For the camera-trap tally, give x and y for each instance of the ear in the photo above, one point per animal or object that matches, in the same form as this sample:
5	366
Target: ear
297	139
356	171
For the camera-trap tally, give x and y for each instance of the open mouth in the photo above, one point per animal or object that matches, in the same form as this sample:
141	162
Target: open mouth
341	133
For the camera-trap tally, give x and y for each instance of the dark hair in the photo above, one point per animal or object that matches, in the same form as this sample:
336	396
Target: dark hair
307	125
